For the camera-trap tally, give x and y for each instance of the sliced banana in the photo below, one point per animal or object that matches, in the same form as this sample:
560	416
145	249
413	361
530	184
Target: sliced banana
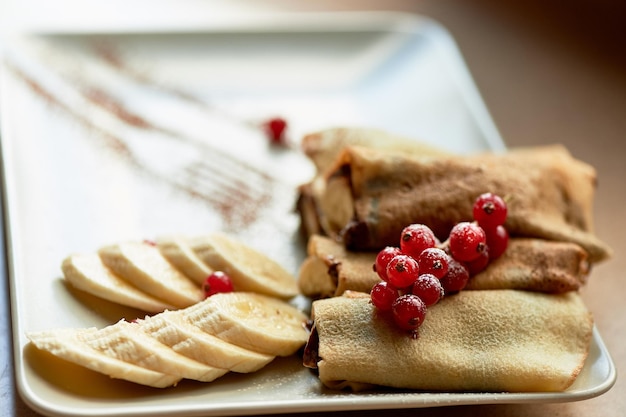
249	269
252	321
68	344
87	273
172	329
143	265
127	342
177	250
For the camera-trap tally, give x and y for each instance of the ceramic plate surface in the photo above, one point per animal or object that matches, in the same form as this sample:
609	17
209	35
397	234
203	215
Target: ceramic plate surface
108	137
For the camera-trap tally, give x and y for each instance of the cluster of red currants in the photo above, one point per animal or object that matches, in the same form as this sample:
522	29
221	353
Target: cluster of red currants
420	272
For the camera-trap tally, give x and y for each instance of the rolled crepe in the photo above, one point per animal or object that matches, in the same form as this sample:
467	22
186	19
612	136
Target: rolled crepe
528	264
367	197
484	341
535	265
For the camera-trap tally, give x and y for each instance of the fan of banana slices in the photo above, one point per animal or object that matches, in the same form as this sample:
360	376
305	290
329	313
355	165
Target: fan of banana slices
188	337
169	273
237	331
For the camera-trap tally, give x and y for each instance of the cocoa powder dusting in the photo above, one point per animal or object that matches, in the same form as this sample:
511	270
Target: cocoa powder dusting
102	99
106	101
112	141
237	195
110	55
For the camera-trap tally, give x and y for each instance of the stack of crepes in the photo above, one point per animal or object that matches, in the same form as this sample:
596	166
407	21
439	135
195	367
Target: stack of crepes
519	326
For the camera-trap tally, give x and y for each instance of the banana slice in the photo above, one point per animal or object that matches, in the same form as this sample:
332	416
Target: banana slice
143	265
68	344
87	273
177	250
252	321
249	269
172	329
125	341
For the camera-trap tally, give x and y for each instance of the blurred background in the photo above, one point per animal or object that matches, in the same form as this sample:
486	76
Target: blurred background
548	71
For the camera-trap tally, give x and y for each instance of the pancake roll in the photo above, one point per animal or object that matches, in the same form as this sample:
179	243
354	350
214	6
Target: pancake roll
478	341
367	195
528	264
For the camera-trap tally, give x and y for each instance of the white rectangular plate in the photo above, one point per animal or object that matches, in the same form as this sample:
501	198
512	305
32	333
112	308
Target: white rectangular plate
128	136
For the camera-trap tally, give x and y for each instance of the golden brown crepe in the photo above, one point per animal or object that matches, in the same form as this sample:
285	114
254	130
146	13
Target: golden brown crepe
535	265
368	196
528	264
488	341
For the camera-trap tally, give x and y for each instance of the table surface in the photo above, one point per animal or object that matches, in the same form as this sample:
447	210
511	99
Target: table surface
548	73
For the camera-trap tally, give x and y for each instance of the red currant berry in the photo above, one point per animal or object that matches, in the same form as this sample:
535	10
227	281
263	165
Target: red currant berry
217	282
383	295
467	241
457	277
402	271
415	238
382	259
428	288
497	240
478	264
275	129
433	261
408	311
489	210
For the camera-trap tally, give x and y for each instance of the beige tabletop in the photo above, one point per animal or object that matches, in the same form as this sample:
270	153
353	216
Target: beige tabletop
548	73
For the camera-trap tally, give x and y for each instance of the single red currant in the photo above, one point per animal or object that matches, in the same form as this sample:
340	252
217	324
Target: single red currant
382	259
415	238
467	241
433	261
408	311
478	264
489	210
383	295
457	277
217	282
497	240
402	271
428	288
275	129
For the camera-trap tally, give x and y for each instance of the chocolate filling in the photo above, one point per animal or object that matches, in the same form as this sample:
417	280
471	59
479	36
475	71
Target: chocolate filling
310	357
